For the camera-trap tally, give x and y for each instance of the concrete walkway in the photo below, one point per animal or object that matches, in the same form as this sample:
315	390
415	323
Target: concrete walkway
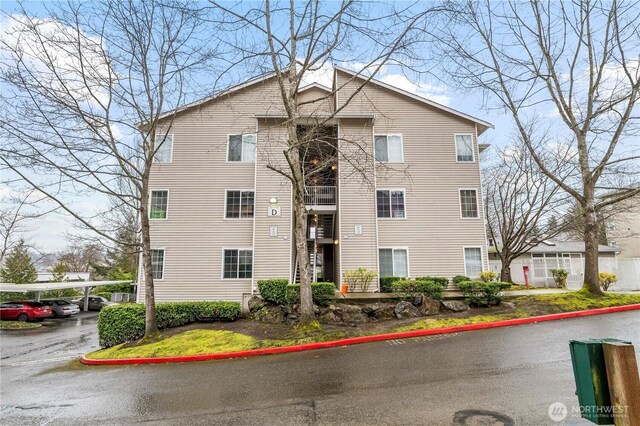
534	292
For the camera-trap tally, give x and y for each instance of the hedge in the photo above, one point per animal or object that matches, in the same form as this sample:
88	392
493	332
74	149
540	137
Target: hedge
480	293
386	283
322	293
274	290
460	278
125	323
442	281
414	288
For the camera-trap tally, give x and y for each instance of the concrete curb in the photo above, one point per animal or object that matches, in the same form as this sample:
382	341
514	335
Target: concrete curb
359	340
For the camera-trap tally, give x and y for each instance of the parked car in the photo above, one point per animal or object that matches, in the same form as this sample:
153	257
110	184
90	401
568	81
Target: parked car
24	311
95	303
61	308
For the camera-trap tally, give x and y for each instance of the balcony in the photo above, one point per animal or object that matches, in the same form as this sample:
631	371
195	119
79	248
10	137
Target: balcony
320	195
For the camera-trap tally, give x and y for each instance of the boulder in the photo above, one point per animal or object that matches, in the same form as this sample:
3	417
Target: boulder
385	312
429	307
406	310
509	305
256	303
371	309
455	305
329	318
268	314
352	314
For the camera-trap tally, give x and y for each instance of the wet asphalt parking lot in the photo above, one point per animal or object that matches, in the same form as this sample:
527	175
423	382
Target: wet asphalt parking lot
488	377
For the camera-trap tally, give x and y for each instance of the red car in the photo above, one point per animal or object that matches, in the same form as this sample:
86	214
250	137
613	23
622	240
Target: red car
24	311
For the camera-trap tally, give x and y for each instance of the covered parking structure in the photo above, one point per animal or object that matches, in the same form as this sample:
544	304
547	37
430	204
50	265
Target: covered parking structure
37	288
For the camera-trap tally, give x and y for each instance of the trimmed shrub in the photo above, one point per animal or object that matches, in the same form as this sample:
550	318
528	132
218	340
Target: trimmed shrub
488	276
274	290
481	293
412	289
386	283
607	279
125	323
322	293
560	277
460	278
442	281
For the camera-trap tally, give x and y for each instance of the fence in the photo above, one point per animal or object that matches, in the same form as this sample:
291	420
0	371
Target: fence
627	270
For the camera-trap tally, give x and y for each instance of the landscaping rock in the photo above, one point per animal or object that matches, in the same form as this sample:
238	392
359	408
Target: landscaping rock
371	310
430	307
256	303
269	315
329	318
406	310
385	312
455	305
509	305
352	314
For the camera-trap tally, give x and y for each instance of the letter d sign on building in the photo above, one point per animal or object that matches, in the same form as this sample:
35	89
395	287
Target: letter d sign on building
273	211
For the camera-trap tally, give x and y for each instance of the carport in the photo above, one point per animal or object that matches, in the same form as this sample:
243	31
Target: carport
40	287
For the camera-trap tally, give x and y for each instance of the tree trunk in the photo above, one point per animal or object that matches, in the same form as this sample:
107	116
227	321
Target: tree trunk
150	324
505	272
300	237
591	234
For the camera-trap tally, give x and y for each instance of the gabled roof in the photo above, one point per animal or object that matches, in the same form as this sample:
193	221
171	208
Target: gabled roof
482	125
315	85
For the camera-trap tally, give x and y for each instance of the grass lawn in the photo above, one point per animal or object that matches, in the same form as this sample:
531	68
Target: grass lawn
209	341
18	325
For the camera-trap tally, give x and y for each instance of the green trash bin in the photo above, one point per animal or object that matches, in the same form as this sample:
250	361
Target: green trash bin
590	373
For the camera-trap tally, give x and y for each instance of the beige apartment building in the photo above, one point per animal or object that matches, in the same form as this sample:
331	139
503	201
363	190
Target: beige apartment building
403	196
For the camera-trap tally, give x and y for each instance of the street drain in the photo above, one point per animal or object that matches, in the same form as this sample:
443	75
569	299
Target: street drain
481	418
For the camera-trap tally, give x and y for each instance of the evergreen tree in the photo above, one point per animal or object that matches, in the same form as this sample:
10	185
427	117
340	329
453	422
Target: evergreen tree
18	267
59	271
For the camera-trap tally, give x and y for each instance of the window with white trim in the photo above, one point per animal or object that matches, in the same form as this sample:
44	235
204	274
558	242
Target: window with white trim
157	263
389	148
464	148
241	148
237	264
240	204
164	149
468	203
390	203
159	205
393	262
472	261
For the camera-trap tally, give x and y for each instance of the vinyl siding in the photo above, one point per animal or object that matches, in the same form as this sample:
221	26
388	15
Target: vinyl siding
272	254
357	196
196	231
431	177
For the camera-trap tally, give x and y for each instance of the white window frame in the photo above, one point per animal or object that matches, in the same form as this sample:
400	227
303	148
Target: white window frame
404	197
226	158
224	213
253	258
149	207
477	203
464	259
164	261
156	149
393	248
387	136
455	144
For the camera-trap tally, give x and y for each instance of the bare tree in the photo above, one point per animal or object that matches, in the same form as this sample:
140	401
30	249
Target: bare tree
295	39
569	68
521	203
84	89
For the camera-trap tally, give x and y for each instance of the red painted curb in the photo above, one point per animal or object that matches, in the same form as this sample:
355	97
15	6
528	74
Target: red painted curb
361	339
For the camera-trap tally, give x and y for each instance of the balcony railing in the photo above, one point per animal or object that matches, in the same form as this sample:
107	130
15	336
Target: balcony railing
320	195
